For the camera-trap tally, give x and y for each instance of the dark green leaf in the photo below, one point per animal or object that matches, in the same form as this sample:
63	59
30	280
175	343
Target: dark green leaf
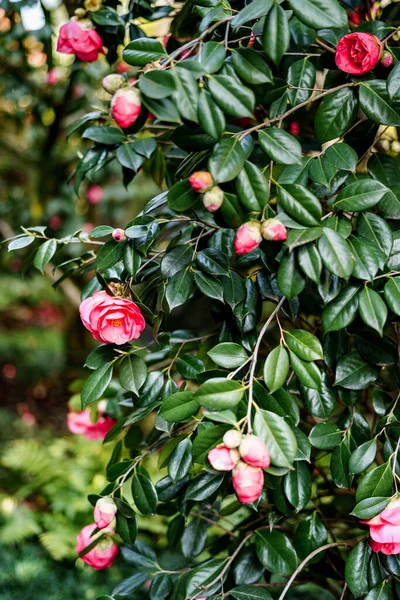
335	253
96	384
353	373
362	457
320	14
360	195
325	436
219	394
142	51
280	146
304	344
301	74
44	254
289	279
337	111
276	35
179	288
144	494
377	104
275	552
104	135
211	117
180	460
227	160
341	311
307	372
179	407
252	188
277	436
251	67
228	355
357	568
372	309
132	373
276	368
157	84
370	507
300	204
212	56
224	88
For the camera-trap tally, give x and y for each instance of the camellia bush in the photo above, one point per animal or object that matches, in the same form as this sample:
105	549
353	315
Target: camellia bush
248	318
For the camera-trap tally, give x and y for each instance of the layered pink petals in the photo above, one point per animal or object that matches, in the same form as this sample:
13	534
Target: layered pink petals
125	107
102	555
80	39
254	452
385	529
110	319
248	237
358	53
221	458
247	482
81	423
104	512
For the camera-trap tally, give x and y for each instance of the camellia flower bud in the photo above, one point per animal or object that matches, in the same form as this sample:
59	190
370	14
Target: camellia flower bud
94	195
387	59
104	512
118	235
248	482
248	237
213	198
125	107
112	83
294	128
201	181
274	230
220	458
254	452
232	438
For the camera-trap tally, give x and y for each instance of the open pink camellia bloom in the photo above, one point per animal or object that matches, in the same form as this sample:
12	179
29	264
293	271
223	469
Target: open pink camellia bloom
81	423
104	512
102	555
358	53
248	482
221	458
248	237
254	452
385	529
111	319
79	38
125	107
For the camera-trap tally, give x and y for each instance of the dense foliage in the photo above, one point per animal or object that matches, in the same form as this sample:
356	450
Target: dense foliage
296	342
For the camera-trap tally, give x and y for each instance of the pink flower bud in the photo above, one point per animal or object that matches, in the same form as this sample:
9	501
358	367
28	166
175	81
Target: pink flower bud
254	452
201	181
94	195
119	235
220	458
274	230
248	237
54	76
104	512
232	438
102	555
213	198
387	59
247	482
125	107
294	128
112	83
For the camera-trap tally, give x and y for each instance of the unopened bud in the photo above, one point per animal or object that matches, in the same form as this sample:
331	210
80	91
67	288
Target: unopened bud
118	235
248	482
387	59
248	237
125	107
220	458
254	452
201	181
112	83
232	438
273	230
213	199
104	512
294	128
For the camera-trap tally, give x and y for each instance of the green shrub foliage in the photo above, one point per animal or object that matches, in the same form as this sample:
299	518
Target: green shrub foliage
296	341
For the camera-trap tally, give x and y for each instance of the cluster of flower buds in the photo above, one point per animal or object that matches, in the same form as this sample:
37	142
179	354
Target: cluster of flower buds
250	235
213	196
246	456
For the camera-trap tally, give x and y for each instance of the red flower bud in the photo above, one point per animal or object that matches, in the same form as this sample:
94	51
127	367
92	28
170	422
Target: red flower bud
220	458
125	107
274	230
254	452
118	235
232	438
112	83
247	482
94	195
294	128
387	59
201	181
81	39
248	237
213	199
358	53
104	512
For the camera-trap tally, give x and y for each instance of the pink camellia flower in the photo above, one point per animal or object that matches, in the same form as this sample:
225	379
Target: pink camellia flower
213	199
104	511
125	107
254	452
387	59
201	181
232	438
358	52
221	458
248	237
111	319
247	482
102	555
94	195
54	76
273	230
385	529
81	423
118	235
81	39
